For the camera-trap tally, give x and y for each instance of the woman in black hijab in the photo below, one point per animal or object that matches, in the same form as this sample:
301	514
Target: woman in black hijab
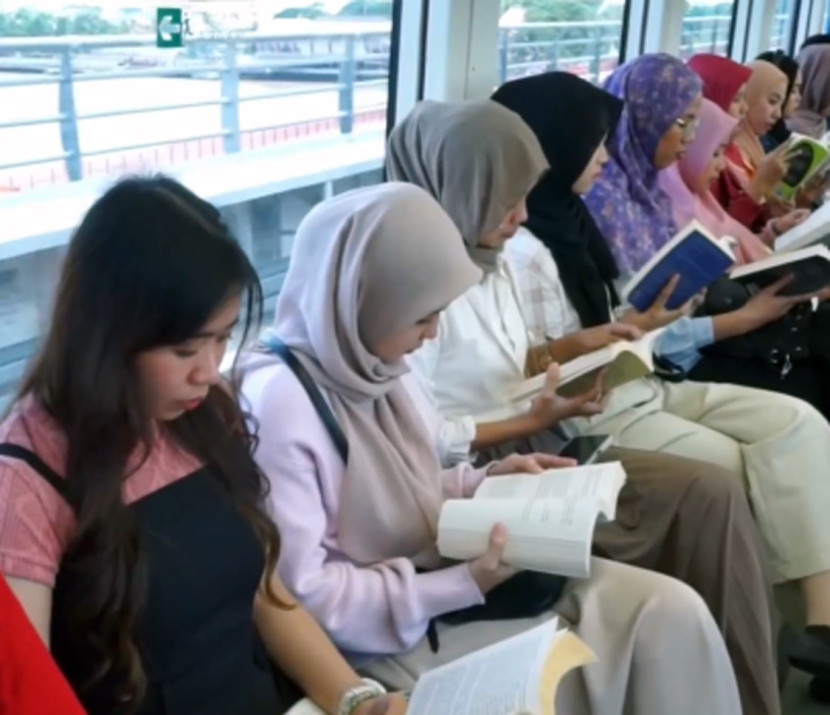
569	135
780	132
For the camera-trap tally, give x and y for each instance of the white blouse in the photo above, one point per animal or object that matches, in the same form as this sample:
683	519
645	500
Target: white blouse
549	313
479	353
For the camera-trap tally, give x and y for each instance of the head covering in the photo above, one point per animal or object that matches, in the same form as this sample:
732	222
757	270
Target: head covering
690	202
765	77
781	132
477	158
722	77
626	202
364	265
570	117
821	39
811	117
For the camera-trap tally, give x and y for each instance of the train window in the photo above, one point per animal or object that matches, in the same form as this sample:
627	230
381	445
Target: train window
579	36
782	24
706	27
262	108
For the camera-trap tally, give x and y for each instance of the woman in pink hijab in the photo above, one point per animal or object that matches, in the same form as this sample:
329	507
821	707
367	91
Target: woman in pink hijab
688	182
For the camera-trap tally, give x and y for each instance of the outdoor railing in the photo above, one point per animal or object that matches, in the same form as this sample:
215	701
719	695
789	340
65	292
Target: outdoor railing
350	62
308	67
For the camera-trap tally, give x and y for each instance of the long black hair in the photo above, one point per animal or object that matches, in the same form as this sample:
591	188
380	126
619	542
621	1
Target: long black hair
148	266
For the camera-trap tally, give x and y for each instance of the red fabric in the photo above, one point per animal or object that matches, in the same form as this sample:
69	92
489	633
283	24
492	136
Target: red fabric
722	78
30	682
737	203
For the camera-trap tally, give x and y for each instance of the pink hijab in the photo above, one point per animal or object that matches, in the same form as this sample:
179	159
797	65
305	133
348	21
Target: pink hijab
715	128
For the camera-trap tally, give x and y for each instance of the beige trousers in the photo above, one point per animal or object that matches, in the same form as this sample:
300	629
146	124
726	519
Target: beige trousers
779	446
659	650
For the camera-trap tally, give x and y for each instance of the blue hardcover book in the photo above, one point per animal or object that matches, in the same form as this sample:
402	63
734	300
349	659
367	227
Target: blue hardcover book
694	254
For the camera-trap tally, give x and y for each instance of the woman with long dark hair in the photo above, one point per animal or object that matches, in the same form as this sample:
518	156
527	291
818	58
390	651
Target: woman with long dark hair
132	521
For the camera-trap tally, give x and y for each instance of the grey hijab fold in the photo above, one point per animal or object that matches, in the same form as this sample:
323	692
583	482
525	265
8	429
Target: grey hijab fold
365	265
811	117
478	159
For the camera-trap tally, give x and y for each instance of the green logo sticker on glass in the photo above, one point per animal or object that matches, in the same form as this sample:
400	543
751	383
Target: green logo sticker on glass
169	27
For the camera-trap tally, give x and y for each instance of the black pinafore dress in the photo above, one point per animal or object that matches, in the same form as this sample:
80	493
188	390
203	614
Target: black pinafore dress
198	644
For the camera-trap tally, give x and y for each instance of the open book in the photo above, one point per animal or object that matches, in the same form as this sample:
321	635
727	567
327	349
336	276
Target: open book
550	517
517	676
623	361
806	157
694	254
814	229
810	267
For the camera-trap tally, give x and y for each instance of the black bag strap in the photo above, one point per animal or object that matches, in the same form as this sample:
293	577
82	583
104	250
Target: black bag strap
15	451
278	347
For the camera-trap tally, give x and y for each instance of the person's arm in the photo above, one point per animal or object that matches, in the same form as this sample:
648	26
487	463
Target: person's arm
569	347
762	308
682	340
35	529
381	609
547	409
36	600
302	651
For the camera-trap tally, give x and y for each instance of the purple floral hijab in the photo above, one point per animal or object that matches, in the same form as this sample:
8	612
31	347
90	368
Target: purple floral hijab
631	210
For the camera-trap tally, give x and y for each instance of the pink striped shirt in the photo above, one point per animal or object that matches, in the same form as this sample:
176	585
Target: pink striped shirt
36	523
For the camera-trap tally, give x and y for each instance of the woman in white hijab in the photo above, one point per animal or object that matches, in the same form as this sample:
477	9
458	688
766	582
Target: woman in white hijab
370	273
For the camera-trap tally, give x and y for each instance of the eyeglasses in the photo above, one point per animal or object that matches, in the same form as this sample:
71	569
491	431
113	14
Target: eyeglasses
688	126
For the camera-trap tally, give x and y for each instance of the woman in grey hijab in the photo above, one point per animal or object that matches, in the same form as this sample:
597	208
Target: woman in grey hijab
480	160
370	271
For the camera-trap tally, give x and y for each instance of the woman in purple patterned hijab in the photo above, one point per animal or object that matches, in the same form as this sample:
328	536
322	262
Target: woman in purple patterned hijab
662	98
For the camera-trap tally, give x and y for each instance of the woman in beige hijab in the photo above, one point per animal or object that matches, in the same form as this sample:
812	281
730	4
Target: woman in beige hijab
480	160
745	187
370	272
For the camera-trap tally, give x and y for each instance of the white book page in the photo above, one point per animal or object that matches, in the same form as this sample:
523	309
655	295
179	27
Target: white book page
502	679
548	536
597	484
814	228
781	259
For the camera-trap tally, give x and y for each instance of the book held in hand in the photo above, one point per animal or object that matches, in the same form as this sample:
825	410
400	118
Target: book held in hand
516	676
622	361
806	157
809	266
550	517
814	229
694	254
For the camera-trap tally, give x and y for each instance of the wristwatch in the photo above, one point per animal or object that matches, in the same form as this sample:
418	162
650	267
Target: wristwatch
354	697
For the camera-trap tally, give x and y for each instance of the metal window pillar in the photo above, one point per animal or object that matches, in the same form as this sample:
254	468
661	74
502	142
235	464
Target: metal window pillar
664	26
461	59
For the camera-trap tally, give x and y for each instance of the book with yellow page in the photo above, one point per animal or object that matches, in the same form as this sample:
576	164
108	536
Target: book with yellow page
623	362
516	676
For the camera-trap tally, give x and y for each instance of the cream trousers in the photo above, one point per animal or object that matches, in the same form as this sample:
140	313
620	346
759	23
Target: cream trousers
659	649
779	446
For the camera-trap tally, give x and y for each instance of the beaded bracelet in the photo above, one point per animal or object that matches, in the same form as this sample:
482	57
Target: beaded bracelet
354	697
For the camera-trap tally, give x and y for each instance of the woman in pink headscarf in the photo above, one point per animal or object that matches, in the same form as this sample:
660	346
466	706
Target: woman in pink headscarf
745	186
688	182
